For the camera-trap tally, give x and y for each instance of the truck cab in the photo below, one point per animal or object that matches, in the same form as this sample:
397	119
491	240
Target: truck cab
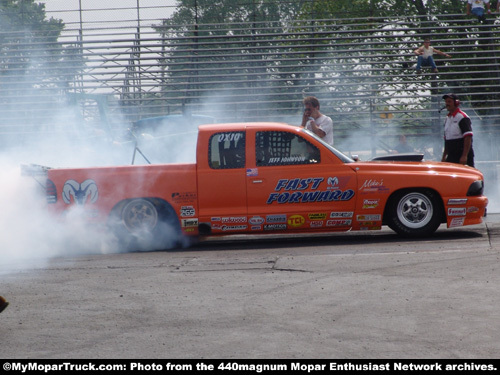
258	178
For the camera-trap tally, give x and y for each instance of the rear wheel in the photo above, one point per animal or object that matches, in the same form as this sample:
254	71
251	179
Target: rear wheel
414	213
146	224
140	215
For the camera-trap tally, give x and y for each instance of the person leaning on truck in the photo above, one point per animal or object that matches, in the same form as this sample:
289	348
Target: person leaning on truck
315	121
457	134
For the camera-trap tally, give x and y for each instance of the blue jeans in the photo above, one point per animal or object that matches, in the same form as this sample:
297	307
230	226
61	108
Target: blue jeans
478	11
429	61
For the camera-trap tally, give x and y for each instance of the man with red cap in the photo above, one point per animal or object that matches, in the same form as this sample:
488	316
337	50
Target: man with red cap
457	134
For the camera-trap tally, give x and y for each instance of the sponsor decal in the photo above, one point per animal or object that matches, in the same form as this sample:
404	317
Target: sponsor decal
458	211
288	159
317	216
368	218
184	197
337	182
473	210
457	201
370	203
299	184
228	137
187	223
256	220
215	219
310	196
341	214
367	223
370	186
274	226
457	222
371	228
233	227
272	219
252	172
316	224
187	211
296	221
256	227
338	222
292	191
333	182
83	193
234	220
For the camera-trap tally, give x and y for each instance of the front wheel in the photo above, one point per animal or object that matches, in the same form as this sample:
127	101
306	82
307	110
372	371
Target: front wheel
414	213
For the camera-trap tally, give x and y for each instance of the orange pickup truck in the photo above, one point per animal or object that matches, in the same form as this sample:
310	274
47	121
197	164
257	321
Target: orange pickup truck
261	178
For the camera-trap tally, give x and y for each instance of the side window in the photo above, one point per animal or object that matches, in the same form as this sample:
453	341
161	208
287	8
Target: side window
284	148
227	150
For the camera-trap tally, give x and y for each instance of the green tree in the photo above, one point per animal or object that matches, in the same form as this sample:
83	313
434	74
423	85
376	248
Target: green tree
34	67
27	39
209	45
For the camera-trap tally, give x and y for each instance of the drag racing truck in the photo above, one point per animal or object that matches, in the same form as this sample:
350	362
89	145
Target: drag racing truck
263	178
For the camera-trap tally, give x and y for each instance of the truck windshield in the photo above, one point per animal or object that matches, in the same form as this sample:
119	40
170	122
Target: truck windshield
340	155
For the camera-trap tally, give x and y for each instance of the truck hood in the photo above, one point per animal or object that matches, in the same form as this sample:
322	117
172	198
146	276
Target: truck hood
417	167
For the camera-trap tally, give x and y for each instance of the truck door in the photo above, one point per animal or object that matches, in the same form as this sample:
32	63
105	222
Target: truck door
295	184
222	183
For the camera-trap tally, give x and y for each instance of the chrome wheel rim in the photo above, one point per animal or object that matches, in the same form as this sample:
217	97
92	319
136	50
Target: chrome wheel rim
415	210
139	215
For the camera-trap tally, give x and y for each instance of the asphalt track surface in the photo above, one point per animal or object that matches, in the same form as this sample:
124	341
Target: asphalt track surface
352	295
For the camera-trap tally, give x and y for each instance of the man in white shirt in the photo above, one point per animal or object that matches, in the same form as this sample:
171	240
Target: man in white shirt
315	121
476	7
425	58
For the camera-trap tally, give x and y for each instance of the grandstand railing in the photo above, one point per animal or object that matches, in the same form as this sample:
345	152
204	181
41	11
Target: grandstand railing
362	70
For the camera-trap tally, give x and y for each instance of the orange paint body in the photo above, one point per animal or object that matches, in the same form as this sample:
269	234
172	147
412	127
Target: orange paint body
268	178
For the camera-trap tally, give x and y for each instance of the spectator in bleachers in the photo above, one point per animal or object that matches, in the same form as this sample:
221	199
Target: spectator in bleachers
477	8
425	58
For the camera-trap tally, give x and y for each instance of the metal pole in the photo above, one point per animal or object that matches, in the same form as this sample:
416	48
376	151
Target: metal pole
138	17
81	17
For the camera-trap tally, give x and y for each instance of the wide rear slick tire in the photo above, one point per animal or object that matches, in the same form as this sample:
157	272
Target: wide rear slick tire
146	224
414	213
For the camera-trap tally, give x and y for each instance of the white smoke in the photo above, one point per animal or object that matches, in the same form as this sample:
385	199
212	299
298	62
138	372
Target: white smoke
30	234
